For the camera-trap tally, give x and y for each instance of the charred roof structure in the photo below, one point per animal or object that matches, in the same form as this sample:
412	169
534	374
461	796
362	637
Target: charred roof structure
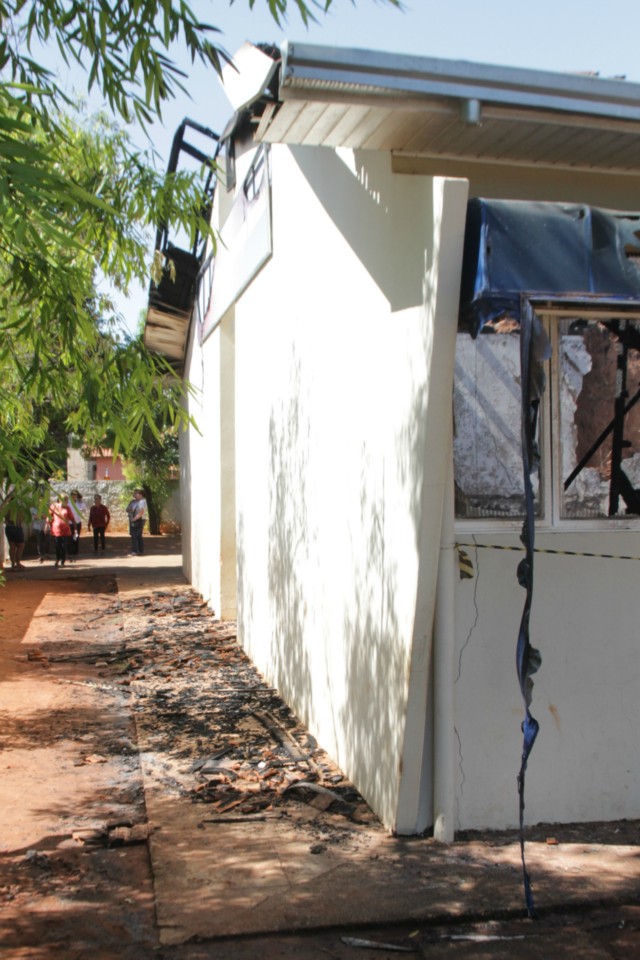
171	300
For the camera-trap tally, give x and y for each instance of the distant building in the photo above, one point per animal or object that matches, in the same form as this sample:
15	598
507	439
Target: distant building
99	466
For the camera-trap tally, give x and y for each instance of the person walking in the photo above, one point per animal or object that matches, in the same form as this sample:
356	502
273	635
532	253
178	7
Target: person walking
14	532
61	520
130	508
99	519
41	527
78	509
137	520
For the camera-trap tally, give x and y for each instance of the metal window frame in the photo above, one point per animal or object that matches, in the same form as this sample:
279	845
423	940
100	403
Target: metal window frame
587	309
549	310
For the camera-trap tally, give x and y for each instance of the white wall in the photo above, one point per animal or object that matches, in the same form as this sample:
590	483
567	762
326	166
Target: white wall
200	471
585	764
343	411
335	368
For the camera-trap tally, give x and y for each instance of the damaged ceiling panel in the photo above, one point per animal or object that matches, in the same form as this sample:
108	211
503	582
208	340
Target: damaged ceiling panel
166	333
171	296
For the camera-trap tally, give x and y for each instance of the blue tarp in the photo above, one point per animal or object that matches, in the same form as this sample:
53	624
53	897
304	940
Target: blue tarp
516	246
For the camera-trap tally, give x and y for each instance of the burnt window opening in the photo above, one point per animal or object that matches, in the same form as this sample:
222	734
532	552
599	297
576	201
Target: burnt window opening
487	445
589	429
599	390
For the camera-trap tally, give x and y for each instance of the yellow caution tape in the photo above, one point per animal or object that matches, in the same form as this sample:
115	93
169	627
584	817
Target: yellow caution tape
562	553
465	564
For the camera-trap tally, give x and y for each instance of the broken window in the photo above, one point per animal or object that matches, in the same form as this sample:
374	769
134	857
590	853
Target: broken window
599	417
589	422
487	446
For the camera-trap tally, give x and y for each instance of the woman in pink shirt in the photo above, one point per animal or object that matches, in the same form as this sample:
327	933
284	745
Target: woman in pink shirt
61	520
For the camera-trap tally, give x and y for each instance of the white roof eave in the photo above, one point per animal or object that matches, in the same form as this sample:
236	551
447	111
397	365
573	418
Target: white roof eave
311	67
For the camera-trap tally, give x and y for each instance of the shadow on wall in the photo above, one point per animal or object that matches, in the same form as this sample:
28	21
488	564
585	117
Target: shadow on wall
186	484
413	437
370	717
401	262
289	543
375	663
244	595
377	220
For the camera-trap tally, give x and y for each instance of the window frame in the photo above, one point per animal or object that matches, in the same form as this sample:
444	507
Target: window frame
549	312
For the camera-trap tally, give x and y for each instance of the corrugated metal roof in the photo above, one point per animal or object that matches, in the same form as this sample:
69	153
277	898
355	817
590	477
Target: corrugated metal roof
422	106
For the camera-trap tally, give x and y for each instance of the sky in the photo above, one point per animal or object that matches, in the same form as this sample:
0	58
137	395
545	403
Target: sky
571	36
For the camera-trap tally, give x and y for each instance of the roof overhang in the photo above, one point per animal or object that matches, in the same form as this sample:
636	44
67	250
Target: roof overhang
432	116
452	110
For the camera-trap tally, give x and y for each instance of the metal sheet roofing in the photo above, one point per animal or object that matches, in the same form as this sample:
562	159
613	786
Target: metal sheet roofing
422	106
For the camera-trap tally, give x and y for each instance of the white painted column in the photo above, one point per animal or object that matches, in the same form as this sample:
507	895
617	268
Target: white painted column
443	672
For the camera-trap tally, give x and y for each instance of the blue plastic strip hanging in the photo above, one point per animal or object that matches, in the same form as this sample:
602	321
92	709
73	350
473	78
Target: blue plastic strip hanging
533	349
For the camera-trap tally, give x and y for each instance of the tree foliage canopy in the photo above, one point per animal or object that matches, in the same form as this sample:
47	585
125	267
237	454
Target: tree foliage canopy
125	47
76	204
63	366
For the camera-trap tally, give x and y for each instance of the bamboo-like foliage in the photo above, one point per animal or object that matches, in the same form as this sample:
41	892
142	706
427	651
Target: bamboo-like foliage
76	204
77	201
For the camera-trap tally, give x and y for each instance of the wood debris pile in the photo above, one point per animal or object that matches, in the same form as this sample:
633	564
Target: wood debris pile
224	736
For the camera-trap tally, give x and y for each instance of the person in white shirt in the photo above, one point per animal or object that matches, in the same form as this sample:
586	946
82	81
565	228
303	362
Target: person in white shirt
137	520
78	509
40	526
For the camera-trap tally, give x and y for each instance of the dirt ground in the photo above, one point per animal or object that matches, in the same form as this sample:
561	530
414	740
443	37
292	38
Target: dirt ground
160	800
53	786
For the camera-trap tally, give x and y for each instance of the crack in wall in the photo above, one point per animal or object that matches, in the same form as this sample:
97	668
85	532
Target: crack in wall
460	655
477	612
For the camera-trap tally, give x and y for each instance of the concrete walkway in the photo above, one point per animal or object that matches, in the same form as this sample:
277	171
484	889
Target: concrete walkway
300	881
